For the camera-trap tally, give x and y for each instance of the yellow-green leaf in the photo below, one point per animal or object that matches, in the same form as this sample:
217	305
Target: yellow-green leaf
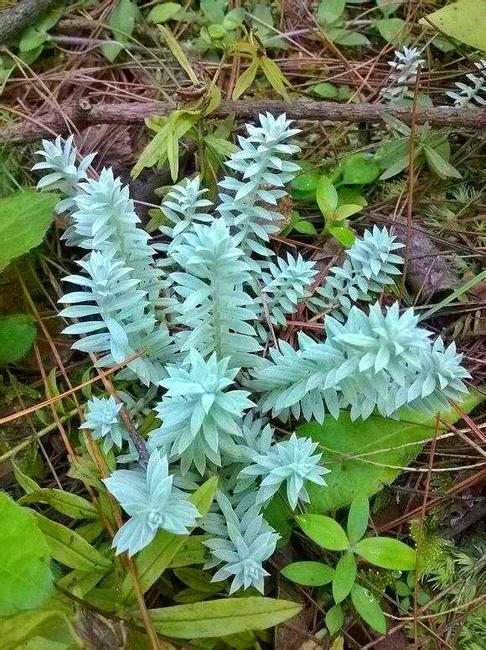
163	12
274	76
215	618
178	53
66	503
324	531
246	79
39	630
464	20
387	553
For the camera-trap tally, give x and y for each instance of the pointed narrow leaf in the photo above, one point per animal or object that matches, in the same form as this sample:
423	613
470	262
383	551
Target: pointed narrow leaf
438	165
246	79
223	617
310	574
368	608
359	513
345	211
66	503
326	197
387	553
178	53
274	76
344	577
324	531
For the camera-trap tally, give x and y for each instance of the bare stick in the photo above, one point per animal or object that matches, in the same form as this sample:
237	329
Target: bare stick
83	114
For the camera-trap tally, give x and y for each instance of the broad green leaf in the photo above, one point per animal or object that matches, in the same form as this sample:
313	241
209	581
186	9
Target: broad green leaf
359	513
365	456
213	10
359	170
222	147
368	608
344	236
17	333
344	576
438	165
330	10
246	79
178	54
67	503
326	197
304	227
351	39
25	576
324	531
345	211
274	76
334	619
387	553
154	559
26	216
122	23
310	574
163	12
325	89
347	195
39	630
464	20
216	618
304	185
393	30
69	548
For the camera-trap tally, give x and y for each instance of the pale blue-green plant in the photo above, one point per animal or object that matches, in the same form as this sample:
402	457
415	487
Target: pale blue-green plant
473	92
247	543
152	503
371	264
64	172
102	418
292	462
200	417
193	332
260	162
403	75
286	283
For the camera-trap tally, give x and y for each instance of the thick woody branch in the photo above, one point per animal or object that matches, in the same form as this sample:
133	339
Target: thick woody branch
20	16
83	114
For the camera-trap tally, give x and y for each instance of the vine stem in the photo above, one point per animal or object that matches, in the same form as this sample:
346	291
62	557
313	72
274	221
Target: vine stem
82	114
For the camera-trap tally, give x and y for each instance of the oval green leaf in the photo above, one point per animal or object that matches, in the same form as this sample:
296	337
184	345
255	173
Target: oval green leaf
310	574
387	553
326	197
368	608
359	513
324	531
344	577
334	619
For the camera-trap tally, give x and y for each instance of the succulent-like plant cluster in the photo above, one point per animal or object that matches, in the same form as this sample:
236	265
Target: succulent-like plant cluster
403	75
473	92
192	325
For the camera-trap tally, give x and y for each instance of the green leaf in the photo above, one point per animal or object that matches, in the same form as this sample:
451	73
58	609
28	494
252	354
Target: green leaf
154	559
325	90
32	38
304	185
367	607
324	531
438	165
345	211
191	552
122	23
39	630
344	577
330	10
310	574
26	216
388	7
365	456
246	79
27	484
387	553
359	513
359	170
213	10
463	20
69	548
216	618
334	619
347	195
351	39
326	197
344	236
178	54
274	76
17	333
66	503
304	227
393	30
396	168
25	576
162	13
